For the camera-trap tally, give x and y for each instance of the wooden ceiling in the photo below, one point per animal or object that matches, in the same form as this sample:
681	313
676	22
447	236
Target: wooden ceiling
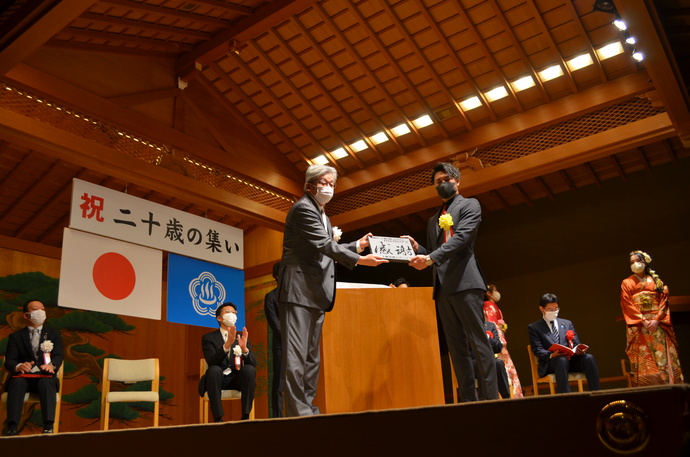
217	107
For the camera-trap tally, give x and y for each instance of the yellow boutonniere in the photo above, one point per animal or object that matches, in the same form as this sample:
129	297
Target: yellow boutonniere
445	221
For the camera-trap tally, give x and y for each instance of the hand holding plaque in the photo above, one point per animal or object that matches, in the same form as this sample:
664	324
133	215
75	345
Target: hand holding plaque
394	249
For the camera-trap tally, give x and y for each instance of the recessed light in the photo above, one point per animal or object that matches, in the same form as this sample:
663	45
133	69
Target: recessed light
380	137
339	153
471	103
401	129
422	121
523	83
496	93
580	61
550	73
360	145
319	160
610	50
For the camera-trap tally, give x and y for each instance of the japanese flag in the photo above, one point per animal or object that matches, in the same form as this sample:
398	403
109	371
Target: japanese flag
102	274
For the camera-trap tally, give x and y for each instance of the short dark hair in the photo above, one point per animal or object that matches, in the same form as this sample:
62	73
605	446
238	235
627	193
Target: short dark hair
219	310
548	298
399	281
25	306
276	269
447	168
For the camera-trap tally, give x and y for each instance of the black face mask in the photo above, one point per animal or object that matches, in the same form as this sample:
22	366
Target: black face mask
446	190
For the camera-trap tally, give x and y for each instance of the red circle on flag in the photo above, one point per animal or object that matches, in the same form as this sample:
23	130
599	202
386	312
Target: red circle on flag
114	276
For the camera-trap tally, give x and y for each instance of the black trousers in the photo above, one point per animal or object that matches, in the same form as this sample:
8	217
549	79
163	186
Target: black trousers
585	363
45	387
243	380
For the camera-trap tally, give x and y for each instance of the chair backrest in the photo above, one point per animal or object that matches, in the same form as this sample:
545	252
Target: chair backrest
533	365
131	370
626	373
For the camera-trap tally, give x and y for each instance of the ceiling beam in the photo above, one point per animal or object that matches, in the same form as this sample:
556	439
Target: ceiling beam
243	30
643	24
552	160
575	105
36	135
256	164
41	31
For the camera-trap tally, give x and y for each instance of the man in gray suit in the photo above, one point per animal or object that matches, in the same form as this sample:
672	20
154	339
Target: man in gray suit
306	286
458	282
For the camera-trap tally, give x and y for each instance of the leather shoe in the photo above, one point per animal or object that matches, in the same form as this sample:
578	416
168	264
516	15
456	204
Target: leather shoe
12	431
47	431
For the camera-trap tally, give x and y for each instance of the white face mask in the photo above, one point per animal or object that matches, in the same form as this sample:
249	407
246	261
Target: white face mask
323	194
551	315
229	319
37	317
637	268
496	296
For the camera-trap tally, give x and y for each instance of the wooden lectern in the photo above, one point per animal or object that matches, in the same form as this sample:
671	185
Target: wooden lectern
380	351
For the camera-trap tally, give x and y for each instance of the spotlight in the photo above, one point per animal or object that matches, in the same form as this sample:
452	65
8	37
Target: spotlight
637	55
605	6
234	47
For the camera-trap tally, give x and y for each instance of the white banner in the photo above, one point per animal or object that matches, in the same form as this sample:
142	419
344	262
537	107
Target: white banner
113	214
102	274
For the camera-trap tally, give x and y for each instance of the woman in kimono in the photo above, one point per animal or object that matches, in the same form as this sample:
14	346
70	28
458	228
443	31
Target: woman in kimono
652	347
493	314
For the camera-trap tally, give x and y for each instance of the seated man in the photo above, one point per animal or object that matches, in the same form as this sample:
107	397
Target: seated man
501	374
230	363
549	330
33	358
400	282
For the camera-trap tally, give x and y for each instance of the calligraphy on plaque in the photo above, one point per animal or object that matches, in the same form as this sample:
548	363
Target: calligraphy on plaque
394	249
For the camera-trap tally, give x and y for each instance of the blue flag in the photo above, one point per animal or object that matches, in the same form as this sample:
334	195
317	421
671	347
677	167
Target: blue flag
197	288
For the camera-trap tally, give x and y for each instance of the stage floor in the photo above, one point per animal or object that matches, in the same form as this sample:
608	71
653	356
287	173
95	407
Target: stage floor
650	421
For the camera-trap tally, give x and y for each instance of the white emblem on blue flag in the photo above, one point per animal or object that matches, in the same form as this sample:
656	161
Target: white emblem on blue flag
206	293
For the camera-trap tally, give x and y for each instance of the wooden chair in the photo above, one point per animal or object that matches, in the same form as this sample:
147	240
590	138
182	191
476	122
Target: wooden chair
32	397
550	378
129	372
627	374
455	384
228	394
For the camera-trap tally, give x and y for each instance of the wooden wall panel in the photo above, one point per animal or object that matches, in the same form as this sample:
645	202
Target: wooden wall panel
177	346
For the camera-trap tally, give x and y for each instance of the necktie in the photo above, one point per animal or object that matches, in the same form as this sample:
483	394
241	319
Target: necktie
35	337
554	330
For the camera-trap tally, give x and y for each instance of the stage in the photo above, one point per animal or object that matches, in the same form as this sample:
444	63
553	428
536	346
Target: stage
652	421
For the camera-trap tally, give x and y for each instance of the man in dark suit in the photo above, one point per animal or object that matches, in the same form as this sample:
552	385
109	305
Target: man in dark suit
306	285
458	282
551	329
231	365
272	311
501	374
33	357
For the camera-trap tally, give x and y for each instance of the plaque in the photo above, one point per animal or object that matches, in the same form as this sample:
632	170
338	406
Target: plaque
393	249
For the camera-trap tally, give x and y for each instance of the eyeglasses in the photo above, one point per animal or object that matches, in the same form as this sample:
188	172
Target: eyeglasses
554	309
324	183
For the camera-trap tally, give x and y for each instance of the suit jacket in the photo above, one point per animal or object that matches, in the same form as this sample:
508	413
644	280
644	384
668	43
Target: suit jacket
212	346
494	341
455	266
307	271
272	311
541	339
19	349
